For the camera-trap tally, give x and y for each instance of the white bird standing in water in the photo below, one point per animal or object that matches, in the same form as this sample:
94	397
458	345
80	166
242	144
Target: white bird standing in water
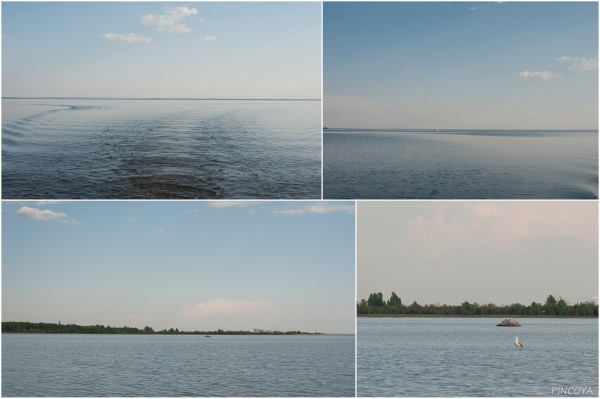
518	343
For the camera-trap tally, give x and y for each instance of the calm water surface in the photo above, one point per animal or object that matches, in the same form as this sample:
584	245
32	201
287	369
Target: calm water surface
121	365
473	357
96	149
486	164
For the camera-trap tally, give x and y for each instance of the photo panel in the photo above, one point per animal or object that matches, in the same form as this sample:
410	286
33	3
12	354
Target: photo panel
153	100
178	298
438	100
477	298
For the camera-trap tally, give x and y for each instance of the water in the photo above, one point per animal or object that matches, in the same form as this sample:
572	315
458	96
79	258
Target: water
98	149
472	357
376	164
151	365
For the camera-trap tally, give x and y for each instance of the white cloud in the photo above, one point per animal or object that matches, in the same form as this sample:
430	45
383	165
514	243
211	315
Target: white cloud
37	214
159	231
229	204
539	75
477	8
580	64
207	38
566	58
125	38
169	21
318	209
499	227
585	64
215	307
130	220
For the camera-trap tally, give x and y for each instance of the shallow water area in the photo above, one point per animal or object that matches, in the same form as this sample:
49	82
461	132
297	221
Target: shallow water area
460	164
444	356
161	149
170	365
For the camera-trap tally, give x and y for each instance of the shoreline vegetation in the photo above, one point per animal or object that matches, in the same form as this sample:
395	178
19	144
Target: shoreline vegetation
52	328
376	306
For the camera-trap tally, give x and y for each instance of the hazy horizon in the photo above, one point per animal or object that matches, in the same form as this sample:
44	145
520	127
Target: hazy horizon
408	129
230	265
504	65
162	98
499	252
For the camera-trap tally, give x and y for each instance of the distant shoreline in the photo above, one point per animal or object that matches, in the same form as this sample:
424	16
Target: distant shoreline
481	316
158	333
337	130
24	327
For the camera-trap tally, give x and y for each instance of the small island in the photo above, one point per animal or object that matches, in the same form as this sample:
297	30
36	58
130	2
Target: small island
376	306
52	328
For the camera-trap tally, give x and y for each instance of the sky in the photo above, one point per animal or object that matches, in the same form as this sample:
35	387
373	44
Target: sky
199	265
166	50
504	65
500	252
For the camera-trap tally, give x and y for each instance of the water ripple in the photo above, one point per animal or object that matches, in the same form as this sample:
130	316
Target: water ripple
436	357
113	365
460	165
161	149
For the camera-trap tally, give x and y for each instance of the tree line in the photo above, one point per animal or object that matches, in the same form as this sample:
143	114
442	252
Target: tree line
51	328
376	305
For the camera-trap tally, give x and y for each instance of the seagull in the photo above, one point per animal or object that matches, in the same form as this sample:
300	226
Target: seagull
518	343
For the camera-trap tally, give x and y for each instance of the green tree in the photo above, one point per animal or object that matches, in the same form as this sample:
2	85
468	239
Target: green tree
550	306
562	307
376	300
394	300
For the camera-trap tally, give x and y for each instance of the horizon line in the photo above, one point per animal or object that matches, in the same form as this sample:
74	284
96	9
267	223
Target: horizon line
446	130
157	98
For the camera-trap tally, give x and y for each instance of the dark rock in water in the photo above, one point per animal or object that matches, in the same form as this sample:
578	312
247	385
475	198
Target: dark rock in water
509	323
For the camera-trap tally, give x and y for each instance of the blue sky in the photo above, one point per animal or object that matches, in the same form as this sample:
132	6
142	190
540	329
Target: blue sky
463	65
186	265
501	252
134	49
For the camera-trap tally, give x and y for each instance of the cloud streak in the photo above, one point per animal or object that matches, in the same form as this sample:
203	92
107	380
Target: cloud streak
169	21
488	226
215	307
580	64
230	204
37	214
546	75
207	38
319	209
477	8
125	38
